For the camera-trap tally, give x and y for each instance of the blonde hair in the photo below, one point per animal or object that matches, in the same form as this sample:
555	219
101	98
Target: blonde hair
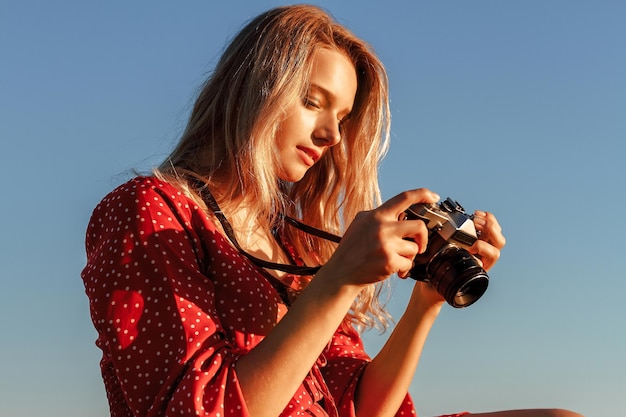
229	139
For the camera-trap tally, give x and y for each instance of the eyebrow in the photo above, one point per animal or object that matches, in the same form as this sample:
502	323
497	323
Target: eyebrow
330	97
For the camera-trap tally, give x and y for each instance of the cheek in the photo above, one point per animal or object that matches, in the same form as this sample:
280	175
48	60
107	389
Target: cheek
298	120
280	140
289	131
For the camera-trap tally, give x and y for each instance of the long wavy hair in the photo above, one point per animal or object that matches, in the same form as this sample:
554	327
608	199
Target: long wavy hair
229	140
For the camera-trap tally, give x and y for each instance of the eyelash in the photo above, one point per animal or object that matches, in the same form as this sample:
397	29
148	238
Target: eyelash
311	102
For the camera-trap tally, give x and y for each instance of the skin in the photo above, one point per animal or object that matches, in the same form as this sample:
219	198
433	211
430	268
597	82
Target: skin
313	126
373	248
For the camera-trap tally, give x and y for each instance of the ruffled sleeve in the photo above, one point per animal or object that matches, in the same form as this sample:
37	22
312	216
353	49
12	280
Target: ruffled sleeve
345	362
165	348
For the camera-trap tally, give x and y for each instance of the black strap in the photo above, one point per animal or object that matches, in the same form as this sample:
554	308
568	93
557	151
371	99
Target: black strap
210	201
312	230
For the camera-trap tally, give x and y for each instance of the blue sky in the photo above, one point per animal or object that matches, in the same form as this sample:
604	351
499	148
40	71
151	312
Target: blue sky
516	107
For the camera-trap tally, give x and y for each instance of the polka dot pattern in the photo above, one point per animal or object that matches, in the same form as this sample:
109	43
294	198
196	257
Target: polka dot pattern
175	306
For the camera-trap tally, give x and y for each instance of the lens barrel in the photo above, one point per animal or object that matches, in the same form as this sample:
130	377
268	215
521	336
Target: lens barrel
457	276
452	271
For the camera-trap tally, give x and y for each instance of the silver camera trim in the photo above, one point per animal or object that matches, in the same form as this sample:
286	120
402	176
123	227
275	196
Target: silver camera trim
449	220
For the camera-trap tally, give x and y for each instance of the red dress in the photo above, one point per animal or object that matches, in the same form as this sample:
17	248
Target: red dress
175	306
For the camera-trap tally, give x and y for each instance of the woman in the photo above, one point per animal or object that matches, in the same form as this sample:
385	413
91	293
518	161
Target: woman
193	311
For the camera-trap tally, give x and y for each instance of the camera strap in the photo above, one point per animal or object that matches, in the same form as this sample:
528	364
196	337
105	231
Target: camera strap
210	201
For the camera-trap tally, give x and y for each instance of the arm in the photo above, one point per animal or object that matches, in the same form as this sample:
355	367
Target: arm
389	374
372	249
156	314
270	373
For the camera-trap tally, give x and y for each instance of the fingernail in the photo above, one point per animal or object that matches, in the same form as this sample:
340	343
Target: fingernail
480	221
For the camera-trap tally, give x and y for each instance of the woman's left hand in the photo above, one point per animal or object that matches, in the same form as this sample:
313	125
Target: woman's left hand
491	240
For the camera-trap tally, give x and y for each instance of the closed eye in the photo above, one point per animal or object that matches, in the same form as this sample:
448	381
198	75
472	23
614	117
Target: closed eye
312	102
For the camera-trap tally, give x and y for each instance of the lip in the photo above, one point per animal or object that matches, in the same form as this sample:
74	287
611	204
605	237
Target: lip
309	156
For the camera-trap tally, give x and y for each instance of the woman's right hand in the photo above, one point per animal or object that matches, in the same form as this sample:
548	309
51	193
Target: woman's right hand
378	243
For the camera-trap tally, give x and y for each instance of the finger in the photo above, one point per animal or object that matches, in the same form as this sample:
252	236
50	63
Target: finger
415	231
414	241
409	248
486	253
404	267
488	217
489	229
395	206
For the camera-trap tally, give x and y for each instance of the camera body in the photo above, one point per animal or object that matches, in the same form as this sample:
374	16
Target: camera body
446	264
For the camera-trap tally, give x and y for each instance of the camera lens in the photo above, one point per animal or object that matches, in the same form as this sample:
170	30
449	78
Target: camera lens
457	276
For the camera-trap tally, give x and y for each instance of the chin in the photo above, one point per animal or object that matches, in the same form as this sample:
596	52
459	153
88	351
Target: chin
292	176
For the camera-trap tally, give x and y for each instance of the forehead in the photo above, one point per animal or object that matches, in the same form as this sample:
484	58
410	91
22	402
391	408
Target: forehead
334	72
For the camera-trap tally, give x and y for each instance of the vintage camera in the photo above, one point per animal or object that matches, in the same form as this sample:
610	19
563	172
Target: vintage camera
446	264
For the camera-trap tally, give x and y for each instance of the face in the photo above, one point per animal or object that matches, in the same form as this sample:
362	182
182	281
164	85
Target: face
312	126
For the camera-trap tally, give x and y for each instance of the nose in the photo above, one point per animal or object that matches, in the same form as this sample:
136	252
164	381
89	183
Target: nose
328	132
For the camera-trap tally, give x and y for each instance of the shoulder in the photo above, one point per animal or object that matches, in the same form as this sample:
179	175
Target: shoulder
145	194
140	189
145	202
